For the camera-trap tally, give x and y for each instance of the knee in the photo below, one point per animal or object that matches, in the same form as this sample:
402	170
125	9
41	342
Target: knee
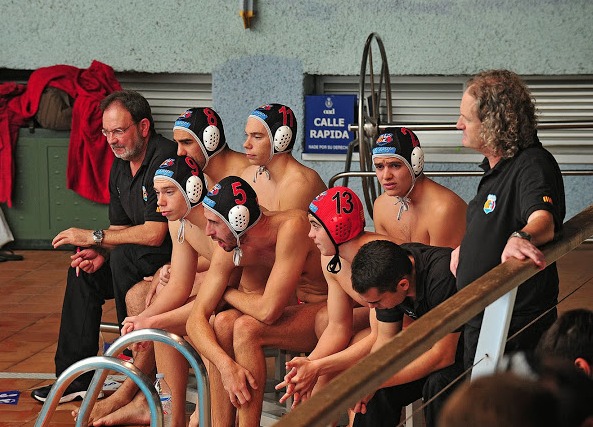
321	321
247	330
224	324
135	298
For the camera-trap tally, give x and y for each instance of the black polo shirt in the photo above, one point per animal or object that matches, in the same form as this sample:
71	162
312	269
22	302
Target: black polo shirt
507	195
133	199
434	283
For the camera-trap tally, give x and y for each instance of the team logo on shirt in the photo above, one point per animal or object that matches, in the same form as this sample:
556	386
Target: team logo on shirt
548	199
490	204
144	194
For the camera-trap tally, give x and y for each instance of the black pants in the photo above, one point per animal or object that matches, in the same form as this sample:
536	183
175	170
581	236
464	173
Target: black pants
384	409
525	341
86	294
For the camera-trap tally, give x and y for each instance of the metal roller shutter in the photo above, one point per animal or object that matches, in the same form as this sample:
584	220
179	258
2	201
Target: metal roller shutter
435	99
169	95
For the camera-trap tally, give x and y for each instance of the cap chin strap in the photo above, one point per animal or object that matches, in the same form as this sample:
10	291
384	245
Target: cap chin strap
181	231
334	265
405	200
405	205
260	171
237	255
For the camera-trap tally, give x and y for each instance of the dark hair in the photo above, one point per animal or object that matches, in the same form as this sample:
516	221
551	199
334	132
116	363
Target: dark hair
136	104
502	399
379	264
569	337
506	109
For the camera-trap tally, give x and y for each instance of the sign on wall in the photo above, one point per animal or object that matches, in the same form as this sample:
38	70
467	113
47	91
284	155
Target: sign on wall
326	123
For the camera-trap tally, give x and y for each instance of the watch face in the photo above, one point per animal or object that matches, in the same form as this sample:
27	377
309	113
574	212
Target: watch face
98	236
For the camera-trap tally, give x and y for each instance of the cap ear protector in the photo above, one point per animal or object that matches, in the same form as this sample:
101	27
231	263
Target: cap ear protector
235	202
281	125
194	187
239	218
341	213
205	126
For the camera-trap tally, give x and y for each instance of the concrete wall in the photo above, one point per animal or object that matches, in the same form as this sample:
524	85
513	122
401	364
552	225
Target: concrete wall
325	36
290	39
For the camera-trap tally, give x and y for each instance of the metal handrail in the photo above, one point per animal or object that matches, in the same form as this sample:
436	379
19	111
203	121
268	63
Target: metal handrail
159	335
354	174
103	363
574	124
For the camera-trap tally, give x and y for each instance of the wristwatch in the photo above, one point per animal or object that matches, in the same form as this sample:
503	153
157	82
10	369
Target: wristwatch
521	235
98	237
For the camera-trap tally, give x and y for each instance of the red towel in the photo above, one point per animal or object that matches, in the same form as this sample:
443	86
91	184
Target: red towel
89	155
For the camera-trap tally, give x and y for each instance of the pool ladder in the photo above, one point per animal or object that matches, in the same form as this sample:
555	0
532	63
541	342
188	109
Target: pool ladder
102	364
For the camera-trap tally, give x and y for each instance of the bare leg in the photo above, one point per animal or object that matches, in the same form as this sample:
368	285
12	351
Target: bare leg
360	320
294	331
223	411
175	367
143	360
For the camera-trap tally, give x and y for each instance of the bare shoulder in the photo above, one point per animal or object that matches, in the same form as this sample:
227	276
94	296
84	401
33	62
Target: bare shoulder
292	218
441	196
299	186
384	206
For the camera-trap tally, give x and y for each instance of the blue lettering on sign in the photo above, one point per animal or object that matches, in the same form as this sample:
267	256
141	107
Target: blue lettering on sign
327	118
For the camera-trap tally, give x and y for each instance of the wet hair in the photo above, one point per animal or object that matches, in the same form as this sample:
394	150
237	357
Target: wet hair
136	104
506	109
569	337
379	264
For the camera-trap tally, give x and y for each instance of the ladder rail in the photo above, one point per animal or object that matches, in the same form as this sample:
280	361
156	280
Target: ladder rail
104	363
168	338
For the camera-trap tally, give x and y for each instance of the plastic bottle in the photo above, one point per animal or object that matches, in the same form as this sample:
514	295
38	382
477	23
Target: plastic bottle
164	392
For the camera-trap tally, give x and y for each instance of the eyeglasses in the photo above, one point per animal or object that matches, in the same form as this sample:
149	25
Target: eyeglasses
116	132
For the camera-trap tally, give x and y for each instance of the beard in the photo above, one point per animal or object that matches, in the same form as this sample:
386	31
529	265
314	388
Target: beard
130	153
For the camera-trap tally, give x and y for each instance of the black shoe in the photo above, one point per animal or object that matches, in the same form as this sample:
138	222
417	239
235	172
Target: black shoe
75	391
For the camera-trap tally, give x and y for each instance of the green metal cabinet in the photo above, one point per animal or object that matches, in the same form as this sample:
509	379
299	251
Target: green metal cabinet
42	205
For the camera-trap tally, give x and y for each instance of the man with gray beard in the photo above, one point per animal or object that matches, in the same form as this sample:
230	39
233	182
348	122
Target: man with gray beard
135	245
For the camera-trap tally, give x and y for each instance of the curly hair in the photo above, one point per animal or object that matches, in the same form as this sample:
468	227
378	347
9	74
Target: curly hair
506	109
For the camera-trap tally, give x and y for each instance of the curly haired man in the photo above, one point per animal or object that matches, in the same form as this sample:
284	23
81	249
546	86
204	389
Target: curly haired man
519	205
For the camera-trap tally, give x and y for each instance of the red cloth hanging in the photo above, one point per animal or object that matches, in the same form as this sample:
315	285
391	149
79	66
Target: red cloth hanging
89	155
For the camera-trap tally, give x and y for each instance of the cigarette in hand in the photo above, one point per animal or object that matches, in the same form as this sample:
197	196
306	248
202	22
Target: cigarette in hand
77	268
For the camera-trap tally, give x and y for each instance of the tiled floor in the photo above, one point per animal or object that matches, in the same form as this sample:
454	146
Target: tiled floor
31	294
